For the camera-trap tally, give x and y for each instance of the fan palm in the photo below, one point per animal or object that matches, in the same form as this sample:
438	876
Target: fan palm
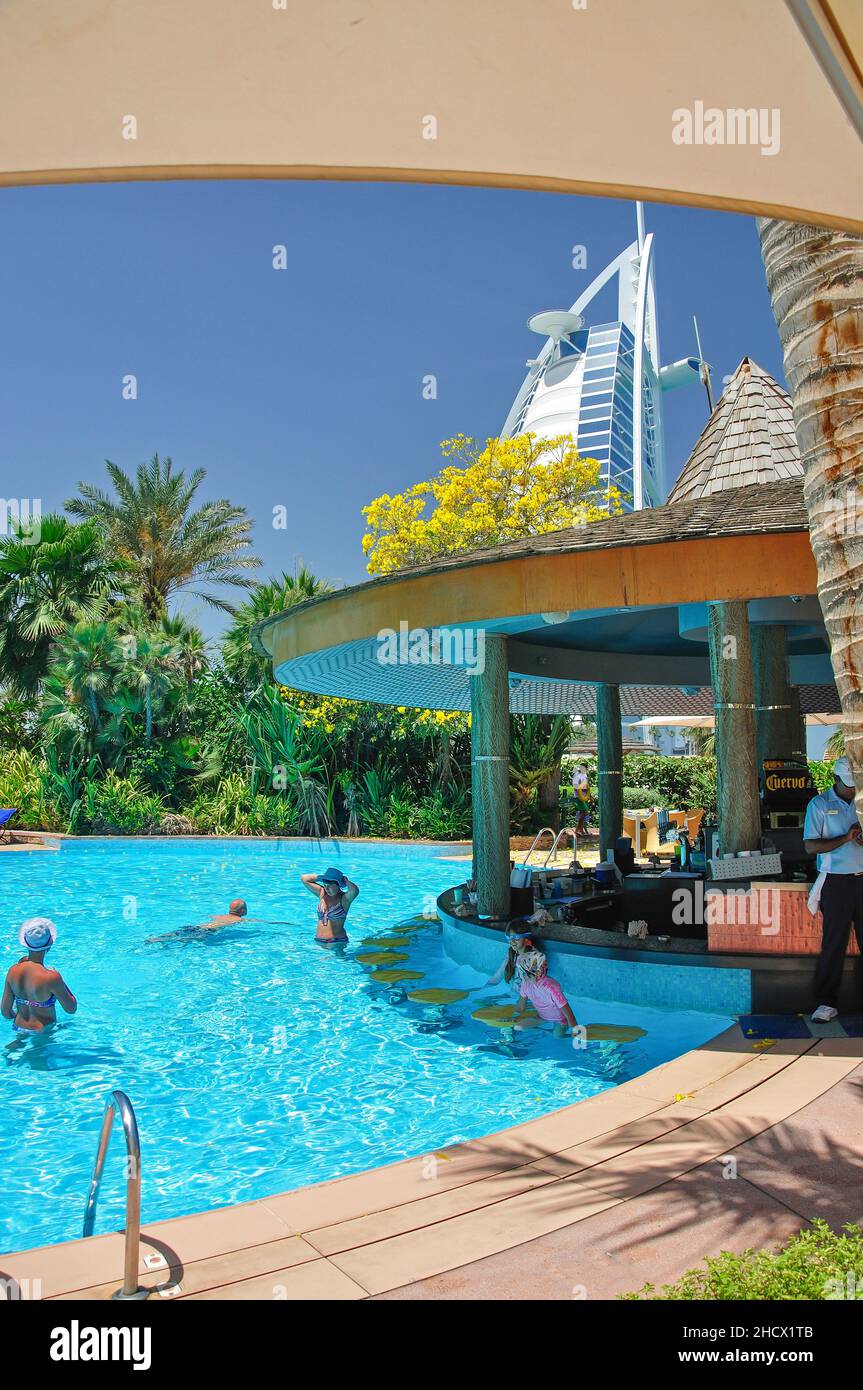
151	523
242	662
86	666
155	668
44	586
189	643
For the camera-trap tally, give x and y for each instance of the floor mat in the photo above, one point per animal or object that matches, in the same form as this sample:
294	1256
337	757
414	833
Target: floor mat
759	1026
756	1026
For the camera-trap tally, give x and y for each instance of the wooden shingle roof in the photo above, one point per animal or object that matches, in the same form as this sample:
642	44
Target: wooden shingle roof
748	440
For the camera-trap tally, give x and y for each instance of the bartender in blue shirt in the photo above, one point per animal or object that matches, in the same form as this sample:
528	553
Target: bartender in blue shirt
832	831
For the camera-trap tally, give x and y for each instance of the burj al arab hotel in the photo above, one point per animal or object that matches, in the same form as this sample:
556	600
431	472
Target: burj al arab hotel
603	383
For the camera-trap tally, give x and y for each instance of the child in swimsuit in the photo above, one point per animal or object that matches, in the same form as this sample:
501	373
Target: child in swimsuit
529	965
335	893
32	991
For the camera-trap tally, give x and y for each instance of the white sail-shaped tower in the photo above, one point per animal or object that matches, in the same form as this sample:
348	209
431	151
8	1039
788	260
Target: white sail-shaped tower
603	383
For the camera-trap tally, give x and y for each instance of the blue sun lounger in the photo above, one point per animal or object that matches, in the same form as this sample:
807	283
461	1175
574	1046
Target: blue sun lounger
5	817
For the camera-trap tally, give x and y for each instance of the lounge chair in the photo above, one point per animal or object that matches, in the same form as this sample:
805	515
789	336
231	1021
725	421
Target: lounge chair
5	818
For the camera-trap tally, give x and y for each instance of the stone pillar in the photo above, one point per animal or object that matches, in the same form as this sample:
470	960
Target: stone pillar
798	725
736	774
609	766
489	704
775	735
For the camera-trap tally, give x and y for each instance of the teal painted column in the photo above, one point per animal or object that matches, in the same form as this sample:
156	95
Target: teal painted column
489	705
609	766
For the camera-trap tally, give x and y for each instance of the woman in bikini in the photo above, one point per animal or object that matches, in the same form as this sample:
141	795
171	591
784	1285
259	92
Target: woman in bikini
32	990
334	893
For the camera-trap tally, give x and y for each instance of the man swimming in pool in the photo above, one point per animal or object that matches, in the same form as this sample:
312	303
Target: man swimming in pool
237	911
335	893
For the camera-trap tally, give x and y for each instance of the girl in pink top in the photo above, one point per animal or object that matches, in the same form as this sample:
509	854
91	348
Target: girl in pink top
530	966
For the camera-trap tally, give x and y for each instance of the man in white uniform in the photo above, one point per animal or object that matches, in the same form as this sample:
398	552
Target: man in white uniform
832	831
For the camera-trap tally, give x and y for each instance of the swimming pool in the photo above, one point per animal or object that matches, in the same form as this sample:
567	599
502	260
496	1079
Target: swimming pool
255	1060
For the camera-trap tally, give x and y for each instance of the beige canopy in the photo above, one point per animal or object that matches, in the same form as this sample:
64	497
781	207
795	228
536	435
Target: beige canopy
740	105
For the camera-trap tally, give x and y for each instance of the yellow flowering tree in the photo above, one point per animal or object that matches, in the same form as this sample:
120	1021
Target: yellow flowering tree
504	490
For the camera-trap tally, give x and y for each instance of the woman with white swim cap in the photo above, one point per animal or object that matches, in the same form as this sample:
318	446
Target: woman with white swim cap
32	990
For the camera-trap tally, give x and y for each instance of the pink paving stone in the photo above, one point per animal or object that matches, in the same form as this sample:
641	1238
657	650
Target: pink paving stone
651	1238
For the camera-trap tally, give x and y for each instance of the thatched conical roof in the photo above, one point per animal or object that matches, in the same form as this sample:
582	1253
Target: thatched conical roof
748	439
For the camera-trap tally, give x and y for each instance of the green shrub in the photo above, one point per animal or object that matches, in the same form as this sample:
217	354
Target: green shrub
21	785
437	818
234	809
638	798
120	806
817	1264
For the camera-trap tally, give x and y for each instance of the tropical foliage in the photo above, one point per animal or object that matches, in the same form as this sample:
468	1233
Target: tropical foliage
243	662
45	581
116	717
150	523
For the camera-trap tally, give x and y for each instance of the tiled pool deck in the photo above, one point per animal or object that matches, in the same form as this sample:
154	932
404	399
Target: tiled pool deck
636	1183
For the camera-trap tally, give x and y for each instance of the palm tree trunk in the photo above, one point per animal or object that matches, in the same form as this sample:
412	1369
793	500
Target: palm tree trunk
548	791
148	708
815	279
93	707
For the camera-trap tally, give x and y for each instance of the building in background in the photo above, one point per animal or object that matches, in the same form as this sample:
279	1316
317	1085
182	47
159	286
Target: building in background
603	383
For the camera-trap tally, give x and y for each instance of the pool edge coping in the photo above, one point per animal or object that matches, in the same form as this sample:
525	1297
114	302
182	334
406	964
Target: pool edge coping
671	1096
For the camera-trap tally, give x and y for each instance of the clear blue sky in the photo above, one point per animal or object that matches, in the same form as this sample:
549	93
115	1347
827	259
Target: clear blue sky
303	387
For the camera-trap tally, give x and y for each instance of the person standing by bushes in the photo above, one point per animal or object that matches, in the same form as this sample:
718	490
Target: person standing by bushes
581	788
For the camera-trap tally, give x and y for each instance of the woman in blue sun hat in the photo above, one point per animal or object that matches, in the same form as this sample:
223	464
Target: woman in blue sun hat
335	893
32	991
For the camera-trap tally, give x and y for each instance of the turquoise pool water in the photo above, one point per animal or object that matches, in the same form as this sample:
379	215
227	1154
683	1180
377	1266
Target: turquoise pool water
255	1060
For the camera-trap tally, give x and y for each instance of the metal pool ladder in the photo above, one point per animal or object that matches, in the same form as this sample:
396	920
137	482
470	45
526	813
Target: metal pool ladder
546	830
118	1103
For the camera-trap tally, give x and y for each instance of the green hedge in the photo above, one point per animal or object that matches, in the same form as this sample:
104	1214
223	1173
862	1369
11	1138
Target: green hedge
817	1264
651	780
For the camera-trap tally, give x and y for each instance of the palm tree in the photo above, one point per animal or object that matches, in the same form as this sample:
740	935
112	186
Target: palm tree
537	745
815	279
150	522
242	662
704	742
44	586
190	644
86	666
153	670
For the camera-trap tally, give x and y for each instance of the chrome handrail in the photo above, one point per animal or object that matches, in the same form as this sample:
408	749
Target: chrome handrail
564	830
539	834
118	1103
